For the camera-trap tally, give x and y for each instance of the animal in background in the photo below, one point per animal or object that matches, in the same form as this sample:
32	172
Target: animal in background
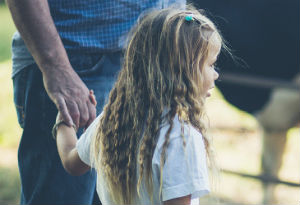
264	34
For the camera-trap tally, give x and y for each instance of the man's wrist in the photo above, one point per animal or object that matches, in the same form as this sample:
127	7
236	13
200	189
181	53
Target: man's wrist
49	68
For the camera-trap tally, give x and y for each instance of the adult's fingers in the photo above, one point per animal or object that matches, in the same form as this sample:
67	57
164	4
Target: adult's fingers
62	108
74	112
58	117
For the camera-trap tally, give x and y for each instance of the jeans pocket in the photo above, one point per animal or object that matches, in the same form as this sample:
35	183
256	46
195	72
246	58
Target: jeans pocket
101	64
85	64
94	69
19	89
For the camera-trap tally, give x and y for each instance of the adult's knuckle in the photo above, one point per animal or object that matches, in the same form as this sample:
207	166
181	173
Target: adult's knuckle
84	118
60	107
75	114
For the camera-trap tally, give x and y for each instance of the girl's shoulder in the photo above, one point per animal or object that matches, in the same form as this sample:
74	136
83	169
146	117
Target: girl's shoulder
181	131
184	168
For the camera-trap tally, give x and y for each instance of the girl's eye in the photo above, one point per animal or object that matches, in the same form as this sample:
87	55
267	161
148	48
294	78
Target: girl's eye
214	65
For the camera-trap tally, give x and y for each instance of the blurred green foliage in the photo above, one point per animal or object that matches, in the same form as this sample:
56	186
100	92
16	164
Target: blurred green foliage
9	129
7	29
10	132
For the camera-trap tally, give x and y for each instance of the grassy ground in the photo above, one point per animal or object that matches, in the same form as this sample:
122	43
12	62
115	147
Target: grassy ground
9	186
236	136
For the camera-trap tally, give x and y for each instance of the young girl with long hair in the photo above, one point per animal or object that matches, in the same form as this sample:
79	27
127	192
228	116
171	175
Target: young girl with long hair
149	145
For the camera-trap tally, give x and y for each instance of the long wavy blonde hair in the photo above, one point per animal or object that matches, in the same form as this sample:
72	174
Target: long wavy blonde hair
162	69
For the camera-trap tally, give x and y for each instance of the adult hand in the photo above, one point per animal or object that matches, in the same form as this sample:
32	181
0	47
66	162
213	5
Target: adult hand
71	96
63	85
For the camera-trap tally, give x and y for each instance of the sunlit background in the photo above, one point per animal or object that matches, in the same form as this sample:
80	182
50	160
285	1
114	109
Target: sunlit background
237	140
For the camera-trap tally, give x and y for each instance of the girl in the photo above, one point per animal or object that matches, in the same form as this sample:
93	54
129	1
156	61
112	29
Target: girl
149	144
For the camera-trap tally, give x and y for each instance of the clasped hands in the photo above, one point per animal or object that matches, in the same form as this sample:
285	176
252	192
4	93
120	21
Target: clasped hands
60	120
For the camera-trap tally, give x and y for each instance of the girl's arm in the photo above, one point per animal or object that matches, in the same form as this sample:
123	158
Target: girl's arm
185	200
66	140
66	144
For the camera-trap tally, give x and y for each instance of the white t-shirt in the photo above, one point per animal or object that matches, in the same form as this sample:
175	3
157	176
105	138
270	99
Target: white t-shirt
184	171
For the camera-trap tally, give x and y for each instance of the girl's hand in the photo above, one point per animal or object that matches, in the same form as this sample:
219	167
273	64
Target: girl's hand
93	98
93	101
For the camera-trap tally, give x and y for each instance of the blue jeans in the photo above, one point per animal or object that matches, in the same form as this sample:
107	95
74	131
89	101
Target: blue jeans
43	178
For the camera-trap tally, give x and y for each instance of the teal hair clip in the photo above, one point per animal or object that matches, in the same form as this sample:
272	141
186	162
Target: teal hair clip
189	18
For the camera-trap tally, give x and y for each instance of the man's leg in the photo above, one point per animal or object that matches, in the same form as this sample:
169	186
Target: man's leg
280	114
43	179
101	79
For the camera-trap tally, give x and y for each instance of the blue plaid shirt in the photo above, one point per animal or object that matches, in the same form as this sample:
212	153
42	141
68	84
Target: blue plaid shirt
90	26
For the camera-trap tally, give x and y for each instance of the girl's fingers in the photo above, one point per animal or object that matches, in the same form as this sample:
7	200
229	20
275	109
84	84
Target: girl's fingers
93	97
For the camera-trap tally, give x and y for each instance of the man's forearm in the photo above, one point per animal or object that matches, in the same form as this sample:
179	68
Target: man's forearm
62	83
35	24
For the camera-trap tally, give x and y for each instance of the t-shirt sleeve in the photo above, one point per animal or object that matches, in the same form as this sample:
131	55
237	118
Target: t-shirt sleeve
84	142
185	169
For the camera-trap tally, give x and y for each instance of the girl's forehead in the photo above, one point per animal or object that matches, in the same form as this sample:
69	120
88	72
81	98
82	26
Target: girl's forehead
215	43
214	49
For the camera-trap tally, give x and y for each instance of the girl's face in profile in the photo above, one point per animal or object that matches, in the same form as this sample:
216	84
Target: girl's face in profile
209	73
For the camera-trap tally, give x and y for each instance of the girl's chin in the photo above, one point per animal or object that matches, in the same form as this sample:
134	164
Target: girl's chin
208	94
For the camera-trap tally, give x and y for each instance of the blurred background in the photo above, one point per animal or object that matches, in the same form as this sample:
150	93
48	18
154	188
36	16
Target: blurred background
236	134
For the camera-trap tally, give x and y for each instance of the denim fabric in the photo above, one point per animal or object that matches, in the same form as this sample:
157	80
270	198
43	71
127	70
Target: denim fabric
43	179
